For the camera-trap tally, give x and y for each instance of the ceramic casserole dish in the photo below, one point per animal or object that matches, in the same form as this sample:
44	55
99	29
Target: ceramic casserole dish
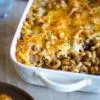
55	79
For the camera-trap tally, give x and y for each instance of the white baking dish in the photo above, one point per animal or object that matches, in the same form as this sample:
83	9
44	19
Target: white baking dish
57	80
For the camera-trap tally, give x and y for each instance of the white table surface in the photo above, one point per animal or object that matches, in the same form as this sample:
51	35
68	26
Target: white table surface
7	71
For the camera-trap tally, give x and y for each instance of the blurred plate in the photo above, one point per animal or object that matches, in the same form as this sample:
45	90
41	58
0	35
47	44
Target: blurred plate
14	92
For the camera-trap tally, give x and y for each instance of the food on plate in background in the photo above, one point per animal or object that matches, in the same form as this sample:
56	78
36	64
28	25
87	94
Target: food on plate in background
5	97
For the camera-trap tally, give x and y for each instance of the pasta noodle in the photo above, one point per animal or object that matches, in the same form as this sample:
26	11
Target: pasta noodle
61	35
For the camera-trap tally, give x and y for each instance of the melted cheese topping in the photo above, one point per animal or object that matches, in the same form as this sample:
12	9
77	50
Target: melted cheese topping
57	28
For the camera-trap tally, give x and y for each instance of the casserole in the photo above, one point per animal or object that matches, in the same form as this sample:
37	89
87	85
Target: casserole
67	81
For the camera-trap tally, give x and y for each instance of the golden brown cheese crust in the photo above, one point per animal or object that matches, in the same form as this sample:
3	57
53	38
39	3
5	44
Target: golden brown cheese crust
62	35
